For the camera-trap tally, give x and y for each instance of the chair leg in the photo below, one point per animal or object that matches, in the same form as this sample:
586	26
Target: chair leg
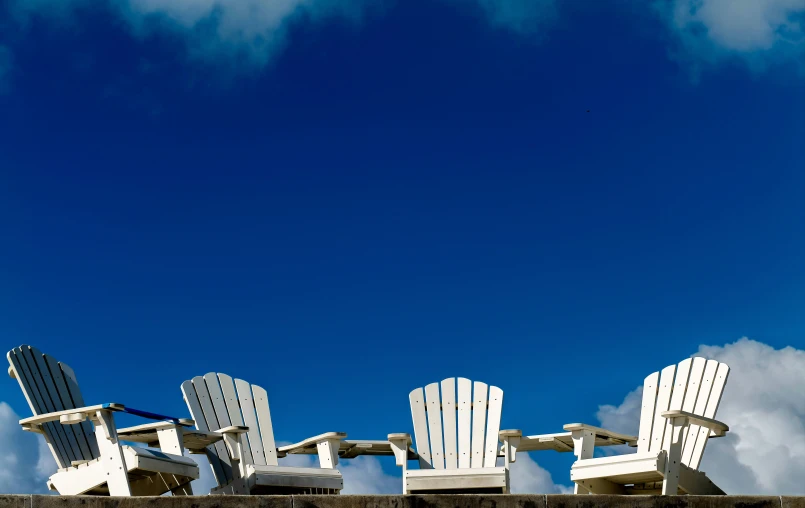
670	483
578	489
117	476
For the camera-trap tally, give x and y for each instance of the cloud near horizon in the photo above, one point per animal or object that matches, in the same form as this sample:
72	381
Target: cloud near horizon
763	404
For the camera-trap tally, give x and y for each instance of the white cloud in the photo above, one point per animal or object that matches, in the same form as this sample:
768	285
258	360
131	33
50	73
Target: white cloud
520	16
245	30
758	31
763	403
25	464
528	477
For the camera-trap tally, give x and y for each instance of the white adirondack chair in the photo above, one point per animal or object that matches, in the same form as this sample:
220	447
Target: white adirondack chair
456	439
246	462
676	420
92	461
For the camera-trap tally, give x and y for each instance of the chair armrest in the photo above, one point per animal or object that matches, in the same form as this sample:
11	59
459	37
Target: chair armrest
70	414
399	446
603	433
232	429
80	414
511	440
327	436
718	428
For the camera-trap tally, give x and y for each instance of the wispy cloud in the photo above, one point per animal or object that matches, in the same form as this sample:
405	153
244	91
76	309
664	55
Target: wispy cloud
248	31
25	462
525	17
764	452
759	32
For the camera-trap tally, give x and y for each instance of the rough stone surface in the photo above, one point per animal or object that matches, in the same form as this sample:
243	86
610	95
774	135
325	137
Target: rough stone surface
15	501
415	501
161	502
352	502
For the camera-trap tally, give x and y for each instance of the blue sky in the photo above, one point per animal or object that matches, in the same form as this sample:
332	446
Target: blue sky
341	201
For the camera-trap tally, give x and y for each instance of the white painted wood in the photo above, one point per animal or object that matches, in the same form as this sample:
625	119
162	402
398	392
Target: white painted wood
433	409
71	381
240	411
217	400
479	410
457	479
328	453
722	373
418	414
48	392
246	401
670	483
30	387
692	392
99	466
677	397
171	439
66	402
455	434
464	423
650	386
235	415
302	446
208	414
449	417
705	387
266	427
117	478
677	419
191	399
666	385
493	426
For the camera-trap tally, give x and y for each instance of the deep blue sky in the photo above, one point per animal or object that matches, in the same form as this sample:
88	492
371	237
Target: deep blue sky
386	203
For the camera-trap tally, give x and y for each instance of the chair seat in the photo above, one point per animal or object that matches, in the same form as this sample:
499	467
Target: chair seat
621	469
151	472
482	479
281	480
641	471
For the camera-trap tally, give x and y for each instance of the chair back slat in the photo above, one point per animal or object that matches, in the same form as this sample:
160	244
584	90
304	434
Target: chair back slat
266	427
479	393
664	390
650	385
433	404
419	415
464	422
449	415
493	426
